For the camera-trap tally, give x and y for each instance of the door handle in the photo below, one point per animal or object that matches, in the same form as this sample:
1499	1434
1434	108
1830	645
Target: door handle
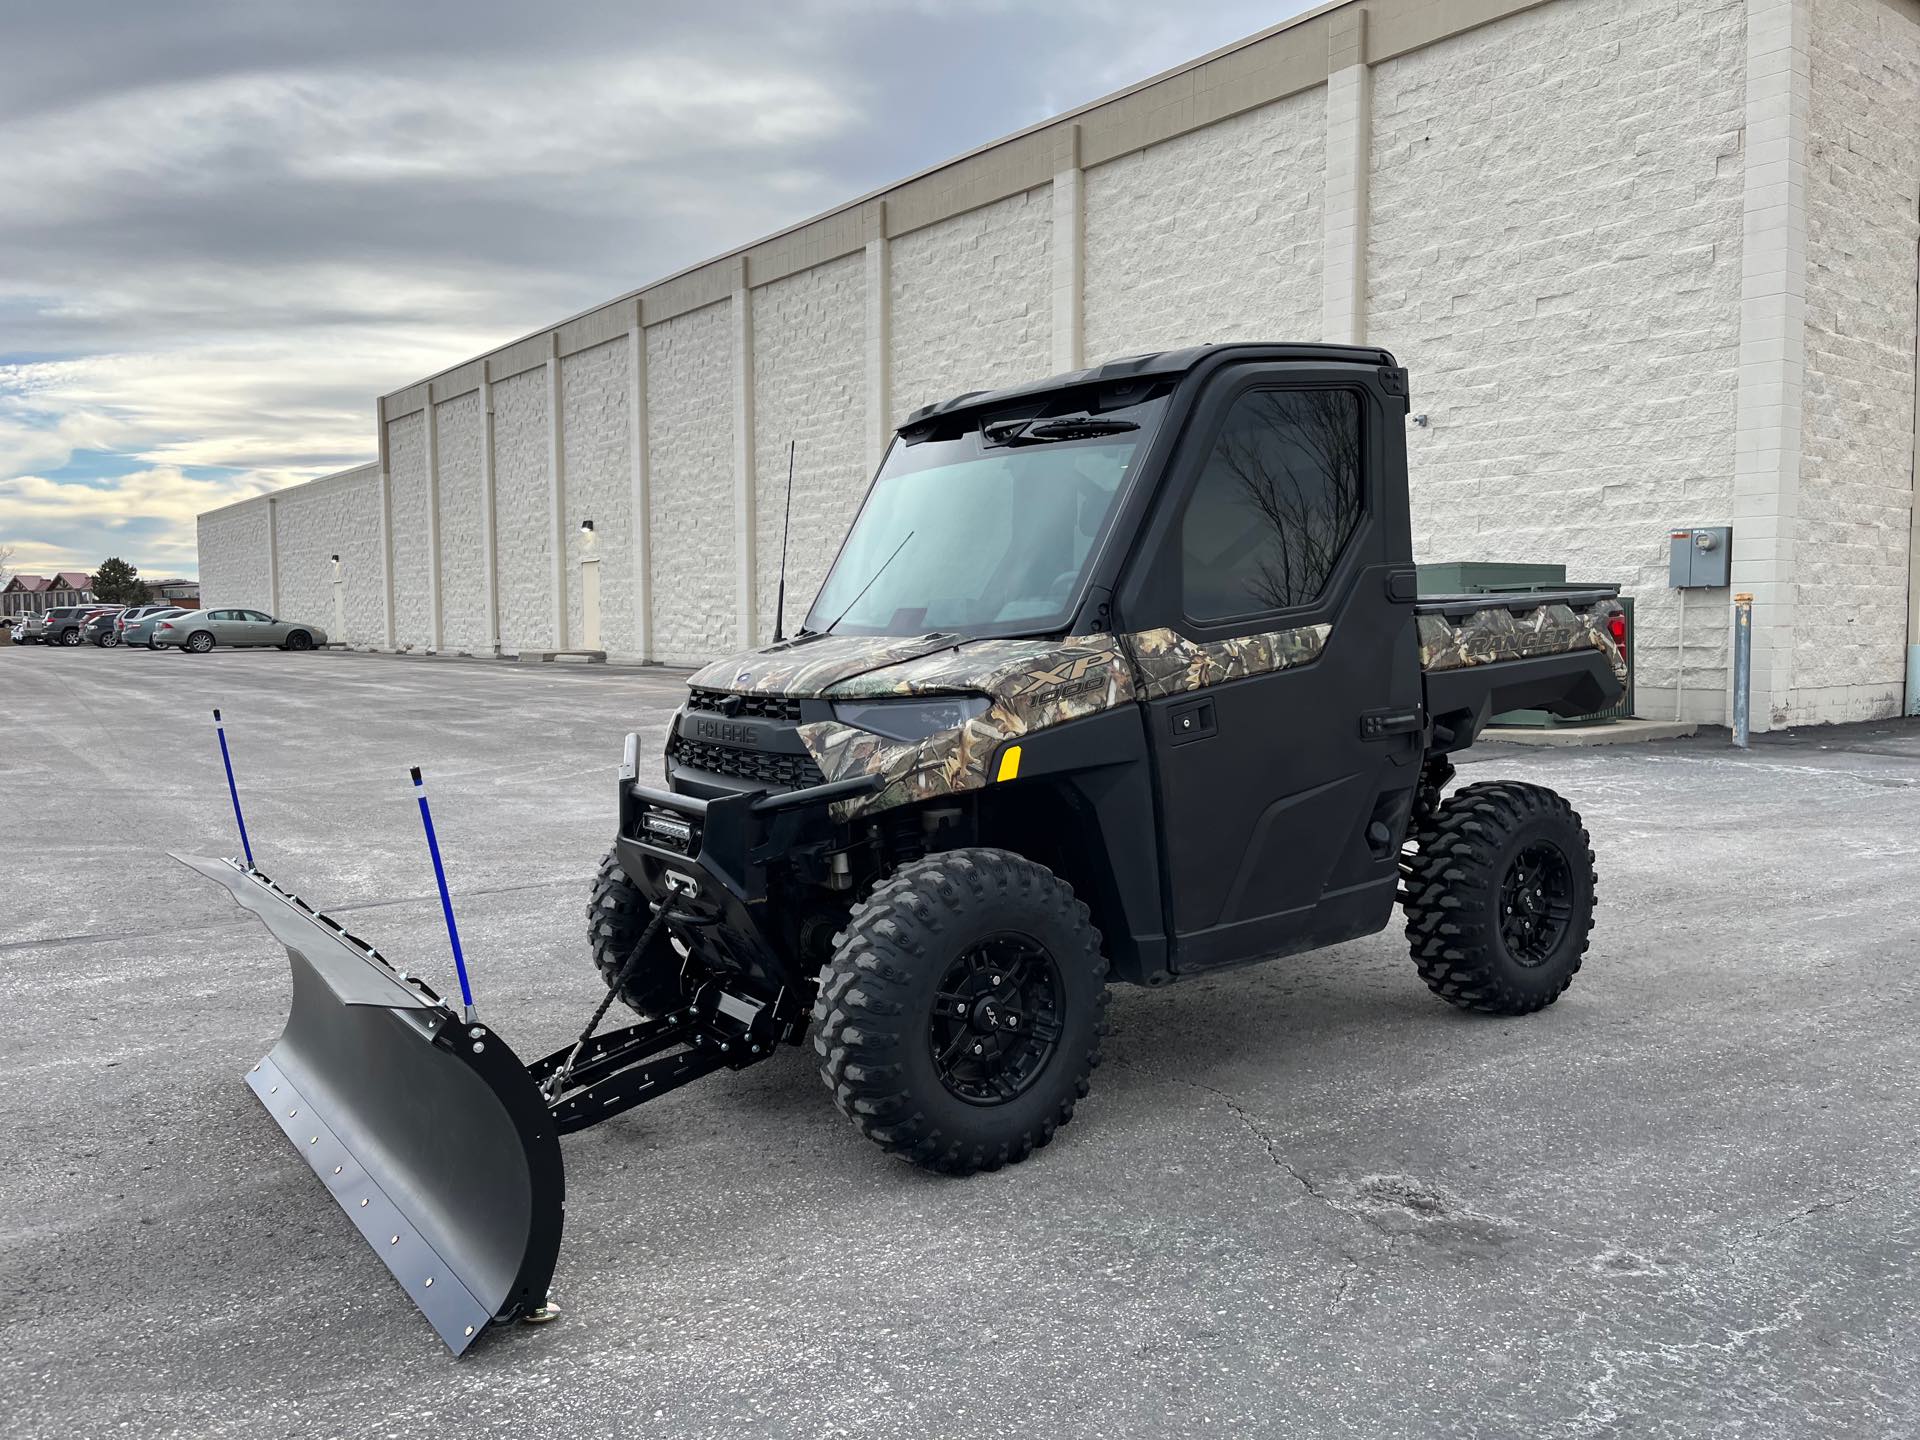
1384	724
1191	721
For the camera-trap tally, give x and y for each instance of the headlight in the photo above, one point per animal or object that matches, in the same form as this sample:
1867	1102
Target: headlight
912	719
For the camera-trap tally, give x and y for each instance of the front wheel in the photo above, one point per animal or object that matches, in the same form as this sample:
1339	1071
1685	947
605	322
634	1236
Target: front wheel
200	642
959	1018
617	915
300	640
1499	898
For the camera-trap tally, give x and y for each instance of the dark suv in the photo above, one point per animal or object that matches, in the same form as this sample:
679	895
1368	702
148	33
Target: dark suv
66	624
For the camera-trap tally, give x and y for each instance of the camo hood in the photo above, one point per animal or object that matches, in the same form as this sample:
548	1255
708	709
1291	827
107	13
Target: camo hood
808	669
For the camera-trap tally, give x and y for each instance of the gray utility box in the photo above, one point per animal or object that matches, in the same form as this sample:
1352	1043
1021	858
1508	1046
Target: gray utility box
1700	557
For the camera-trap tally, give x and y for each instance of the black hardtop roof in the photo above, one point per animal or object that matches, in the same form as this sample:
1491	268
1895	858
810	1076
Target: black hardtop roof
1159	362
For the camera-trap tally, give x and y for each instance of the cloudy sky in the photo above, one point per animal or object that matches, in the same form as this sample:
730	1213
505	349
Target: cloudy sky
229	224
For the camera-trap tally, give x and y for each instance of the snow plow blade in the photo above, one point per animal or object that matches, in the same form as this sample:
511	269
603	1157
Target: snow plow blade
424	1127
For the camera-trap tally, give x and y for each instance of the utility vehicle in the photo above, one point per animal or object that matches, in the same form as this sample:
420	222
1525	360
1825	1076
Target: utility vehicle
1119	676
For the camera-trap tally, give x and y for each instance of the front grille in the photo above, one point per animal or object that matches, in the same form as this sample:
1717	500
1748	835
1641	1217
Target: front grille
766	767
754	707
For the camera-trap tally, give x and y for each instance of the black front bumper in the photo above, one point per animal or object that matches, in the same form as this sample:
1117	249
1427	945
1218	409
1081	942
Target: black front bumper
709	858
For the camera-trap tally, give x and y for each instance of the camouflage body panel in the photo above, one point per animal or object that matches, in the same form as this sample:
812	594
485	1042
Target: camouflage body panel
1498	633
1167	663
809	670
1030	684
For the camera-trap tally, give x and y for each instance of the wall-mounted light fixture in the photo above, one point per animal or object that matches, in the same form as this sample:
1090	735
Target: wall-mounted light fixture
586	527
336	559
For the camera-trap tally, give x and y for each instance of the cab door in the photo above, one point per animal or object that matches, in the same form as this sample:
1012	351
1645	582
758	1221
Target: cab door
1271	620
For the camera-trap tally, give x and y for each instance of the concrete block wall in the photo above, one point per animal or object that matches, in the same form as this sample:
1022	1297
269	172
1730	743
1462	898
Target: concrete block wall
236	566
459	434
335	515
1211	236
1650	263
690	473
409	499
594	405
809	374
523	508
1517	231
1853	534
971	302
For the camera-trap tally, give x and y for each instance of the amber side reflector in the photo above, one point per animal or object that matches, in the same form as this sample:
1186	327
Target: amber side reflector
1009	763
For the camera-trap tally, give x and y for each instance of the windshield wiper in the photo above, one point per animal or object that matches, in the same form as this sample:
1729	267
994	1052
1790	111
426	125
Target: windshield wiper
869	585
1063	427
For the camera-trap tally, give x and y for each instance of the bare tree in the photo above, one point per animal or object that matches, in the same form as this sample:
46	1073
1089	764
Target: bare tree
1296	454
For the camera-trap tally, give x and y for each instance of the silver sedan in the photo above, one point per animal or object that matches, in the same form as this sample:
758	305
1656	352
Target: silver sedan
201	630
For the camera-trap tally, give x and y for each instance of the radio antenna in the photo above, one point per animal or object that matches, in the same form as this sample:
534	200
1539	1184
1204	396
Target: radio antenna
780	596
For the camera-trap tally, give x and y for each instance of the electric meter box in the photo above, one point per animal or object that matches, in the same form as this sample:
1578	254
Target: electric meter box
1700	557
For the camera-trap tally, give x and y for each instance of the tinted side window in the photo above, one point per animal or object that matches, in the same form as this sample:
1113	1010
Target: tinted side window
1278	501
259	617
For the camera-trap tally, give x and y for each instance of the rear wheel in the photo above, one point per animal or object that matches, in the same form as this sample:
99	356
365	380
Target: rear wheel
69	637
959	1019
1499	898
617	914
200	641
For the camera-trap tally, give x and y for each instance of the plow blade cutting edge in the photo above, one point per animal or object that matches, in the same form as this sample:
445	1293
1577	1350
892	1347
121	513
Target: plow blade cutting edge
424	1127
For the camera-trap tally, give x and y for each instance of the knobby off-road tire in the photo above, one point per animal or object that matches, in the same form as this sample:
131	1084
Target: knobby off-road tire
1499	898
616	915
967	948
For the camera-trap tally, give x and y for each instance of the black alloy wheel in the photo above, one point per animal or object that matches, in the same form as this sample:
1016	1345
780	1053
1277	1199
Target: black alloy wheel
959	1017
1536	900
1499	895
996	1020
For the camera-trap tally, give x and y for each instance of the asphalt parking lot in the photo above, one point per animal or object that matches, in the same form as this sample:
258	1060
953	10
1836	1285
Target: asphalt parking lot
1304	1198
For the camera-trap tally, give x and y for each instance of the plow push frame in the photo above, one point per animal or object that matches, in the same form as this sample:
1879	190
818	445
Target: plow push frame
426	1129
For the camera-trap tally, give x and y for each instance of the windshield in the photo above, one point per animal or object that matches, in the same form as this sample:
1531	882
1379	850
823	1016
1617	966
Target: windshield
981	535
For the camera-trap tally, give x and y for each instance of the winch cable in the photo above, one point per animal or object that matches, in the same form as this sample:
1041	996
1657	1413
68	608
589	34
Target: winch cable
557	1082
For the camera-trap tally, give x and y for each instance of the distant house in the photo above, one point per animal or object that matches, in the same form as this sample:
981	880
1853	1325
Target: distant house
31	594
26	595
184	593
70	587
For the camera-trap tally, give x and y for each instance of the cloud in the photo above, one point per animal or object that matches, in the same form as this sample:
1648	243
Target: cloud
146	518
230	224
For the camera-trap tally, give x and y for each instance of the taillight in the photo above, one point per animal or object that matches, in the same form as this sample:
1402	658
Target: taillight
166	624
1617	624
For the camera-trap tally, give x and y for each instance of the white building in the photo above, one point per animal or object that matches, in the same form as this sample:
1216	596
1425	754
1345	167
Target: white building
1651	263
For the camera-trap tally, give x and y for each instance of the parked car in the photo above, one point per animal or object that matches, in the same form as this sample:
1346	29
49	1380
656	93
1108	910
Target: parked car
66	624
139	629
136	612
103	629
200	630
